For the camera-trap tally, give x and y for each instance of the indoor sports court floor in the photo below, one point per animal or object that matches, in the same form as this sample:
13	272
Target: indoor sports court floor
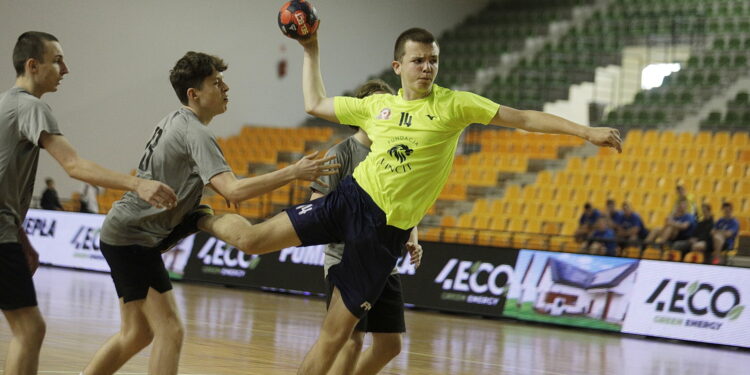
232	331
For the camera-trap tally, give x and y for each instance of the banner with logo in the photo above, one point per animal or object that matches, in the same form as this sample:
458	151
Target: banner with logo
461	278
67	239
691	302
572	289
296	269
71	239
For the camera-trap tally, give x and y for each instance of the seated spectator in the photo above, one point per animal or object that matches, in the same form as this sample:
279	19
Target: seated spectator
701	236
724	232
610	211
629	227
586	222
677	227
50	201
602	240
692	208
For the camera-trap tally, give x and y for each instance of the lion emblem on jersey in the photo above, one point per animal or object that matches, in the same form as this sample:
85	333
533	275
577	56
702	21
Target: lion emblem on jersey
400	152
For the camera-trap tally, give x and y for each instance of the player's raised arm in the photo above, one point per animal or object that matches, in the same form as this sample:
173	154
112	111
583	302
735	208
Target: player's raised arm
535	121
316	102
154	192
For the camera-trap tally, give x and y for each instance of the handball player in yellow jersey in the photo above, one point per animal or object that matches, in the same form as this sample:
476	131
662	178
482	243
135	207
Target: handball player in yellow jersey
414	135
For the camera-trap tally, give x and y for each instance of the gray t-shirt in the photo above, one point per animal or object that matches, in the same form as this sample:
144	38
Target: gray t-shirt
183	154
349	153
23	118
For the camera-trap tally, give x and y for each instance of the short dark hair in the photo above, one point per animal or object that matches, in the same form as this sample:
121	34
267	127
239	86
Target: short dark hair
191	70
48	180
726	204
414	34
587	206
372	86
30	45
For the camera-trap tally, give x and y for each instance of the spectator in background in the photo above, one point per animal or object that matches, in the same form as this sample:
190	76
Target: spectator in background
89	203
50	201
629	227
682	194
586	222
724	232
612	213
677	227
602	240
701	238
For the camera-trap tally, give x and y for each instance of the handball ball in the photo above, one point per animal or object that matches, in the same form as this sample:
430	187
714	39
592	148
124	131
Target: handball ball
298	19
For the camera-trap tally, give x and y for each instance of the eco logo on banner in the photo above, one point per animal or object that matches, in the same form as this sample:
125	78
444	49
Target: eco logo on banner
691	302
475	282
219	258
68	239
571	289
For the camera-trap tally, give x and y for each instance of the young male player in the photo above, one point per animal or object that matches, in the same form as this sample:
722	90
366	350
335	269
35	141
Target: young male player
385	321
414	136
183	153
26	125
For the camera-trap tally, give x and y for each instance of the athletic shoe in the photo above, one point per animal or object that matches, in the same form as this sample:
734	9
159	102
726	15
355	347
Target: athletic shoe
188	226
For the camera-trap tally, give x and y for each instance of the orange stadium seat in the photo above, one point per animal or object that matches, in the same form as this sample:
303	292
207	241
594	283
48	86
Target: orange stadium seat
694	257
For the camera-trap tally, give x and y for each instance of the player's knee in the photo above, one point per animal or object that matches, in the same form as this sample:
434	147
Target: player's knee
387	345
139	337
171	329
353	346
32	331
356	341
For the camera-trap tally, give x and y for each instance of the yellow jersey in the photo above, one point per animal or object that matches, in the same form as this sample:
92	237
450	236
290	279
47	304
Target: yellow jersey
413	145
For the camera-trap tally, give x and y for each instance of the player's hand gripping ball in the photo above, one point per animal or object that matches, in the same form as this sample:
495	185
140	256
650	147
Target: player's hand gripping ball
298	19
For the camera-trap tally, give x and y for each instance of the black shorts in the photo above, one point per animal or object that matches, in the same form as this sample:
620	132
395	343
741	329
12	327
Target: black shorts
387	313
371	247
16	286
134	269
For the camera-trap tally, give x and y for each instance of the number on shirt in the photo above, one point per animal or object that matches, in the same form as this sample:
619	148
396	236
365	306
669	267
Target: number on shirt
146	159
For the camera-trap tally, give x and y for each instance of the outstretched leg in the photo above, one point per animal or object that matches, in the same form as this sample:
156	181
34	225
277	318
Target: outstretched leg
271	235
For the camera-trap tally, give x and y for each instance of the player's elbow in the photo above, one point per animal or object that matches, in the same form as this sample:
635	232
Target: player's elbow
74	167
311	110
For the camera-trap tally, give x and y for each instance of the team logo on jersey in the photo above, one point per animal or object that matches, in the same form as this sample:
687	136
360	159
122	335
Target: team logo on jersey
366	306
431	117
400	152
385	114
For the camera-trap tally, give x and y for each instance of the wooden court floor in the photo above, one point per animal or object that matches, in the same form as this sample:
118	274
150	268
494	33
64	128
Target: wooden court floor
231	331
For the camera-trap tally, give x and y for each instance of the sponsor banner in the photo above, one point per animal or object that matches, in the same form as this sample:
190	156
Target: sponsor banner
571	289
461	278
67	239
691	302
294	269
71	239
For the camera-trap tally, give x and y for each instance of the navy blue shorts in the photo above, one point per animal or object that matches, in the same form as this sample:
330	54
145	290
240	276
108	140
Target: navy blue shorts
371	247
16	285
